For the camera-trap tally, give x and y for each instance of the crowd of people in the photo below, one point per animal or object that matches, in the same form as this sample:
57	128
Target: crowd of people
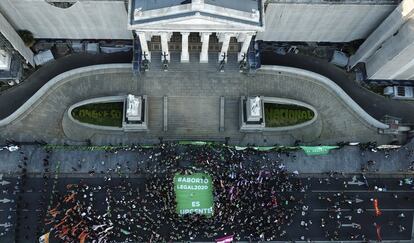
252	200
255	199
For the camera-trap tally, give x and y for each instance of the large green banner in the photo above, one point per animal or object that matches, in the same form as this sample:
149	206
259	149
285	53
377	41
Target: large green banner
193	194
317	150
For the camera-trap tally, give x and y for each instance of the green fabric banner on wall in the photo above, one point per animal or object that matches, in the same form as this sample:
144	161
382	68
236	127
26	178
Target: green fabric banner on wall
317	150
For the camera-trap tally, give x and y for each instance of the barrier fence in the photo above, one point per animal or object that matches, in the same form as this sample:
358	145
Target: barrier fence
309	150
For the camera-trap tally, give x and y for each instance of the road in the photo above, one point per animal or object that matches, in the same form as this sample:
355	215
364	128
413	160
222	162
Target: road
27	210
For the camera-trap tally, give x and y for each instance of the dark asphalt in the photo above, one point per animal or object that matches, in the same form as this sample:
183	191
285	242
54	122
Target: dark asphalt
29	217
13	98
375	105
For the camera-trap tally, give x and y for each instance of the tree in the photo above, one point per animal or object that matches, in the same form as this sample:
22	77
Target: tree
27	37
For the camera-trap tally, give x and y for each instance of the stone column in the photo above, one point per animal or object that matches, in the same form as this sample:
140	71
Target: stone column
225	38
185	57
247	38
165	37
144	45
205	37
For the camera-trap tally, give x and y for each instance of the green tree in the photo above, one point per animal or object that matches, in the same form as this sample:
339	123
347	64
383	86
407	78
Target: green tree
27	37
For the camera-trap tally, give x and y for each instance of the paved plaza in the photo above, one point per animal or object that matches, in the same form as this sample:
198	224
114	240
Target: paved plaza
193	107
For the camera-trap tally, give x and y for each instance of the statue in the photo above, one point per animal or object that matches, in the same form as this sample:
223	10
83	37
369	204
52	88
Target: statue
255	106
254	109
133	112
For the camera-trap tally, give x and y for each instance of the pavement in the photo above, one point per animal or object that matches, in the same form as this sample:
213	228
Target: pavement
193	110
26	211
194	90
348	159
374	104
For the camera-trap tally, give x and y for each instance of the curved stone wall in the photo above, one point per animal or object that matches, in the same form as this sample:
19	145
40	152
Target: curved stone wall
54	83
193	107
332	86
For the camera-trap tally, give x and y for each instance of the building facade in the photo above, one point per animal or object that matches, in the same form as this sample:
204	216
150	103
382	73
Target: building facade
323	21
69	19
223	26
240	19
13	53
388	53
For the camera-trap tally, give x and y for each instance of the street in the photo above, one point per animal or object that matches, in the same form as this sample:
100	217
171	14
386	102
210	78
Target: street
323	199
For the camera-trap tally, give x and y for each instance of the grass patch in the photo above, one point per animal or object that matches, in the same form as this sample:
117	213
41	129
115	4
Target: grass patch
281	115
101	114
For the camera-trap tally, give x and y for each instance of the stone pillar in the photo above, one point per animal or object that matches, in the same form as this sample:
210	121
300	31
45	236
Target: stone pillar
165	37
225	38
247	38
205	37
144	45
185	57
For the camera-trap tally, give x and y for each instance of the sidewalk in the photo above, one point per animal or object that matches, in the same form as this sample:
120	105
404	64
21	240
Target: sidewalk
348	159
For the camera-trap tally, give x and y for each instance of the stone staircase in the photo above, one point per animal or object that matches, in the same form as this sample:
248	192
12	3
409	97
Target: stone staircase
232	64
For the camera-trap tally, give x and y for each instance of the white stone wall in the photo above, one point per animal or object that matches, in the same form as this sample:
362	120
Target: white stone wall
11	35
83	20
321	22
388	53
395	58
385	30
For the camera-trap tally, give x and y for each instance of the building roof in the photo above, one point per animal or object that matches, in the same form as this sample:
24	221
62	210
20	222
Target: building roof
241	5
156	4
143	13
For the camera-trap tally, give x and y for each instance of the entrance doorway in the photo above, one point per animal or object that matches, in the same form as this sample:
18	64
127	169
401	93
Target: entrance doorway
194	43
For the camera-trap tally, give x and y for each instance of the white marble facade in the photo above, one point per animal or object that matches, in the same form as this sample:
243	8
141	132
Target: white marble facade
244	38
236	19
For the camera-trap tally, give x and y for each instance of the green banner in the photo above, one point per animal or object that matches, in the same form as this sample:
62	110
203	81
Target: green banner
238	148
193	194
82	147
147	146
317	150
263	148
199	143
